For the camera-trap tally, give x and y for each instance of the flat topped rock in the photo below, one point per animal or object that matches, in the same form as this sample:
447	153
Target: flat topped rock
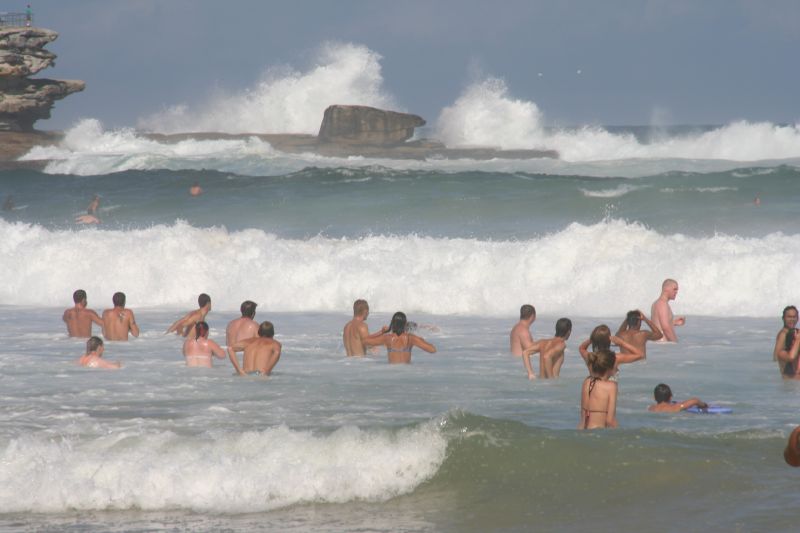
365	125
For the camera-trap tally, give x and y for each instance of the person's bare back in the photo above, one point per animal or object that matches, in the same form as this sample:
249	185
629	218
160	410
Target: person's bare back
239	329
261	353
78	318
117	323
520	338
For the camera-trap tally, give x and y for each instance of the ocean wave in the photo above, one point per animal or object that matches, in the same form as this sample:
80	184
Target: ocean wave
585	270
616	192
229	473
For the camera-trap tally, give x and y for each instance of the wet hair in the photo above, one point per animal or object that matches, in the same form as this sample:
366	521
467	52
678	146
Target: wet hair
93	344
563	326
203	300
633	318
248	308
79	296
360	307
266	329
662	393
526	311
118	299
200	330
601	338
601	361
398	323
789	340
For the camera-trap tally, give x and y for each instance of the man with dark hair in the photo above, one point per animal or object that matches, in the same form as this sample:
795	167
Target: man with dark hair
521	338
119	321
78	318
184	325
261	353
664	403
356	330
243	327
631	331
551	352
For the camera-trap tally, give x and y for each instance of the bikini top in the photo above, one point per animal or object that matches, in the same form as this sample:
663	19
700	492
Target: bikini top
404	349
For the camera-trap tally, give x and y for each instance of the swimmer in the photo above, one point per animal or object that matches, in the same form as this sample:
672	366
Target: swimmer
87	219
631	331
598	393
79	319
119	321
93	205
261	353
195	189
785	337
399	343
551	352
661	313
198	350
664	403
93	358
356	331
601	340
787	360
8	204
791	454
520	337
243	327
184	325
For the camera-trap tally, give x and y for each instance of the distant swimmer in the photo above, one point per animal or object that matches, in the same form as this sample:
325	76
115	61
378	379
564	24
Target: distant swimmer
521	338
261	353
664	404
79	319
93	205
198	350
243	327
398	342
551	352
87	219
185	324
757	201
630	331
782	345
661	313
93	358
356	331
791	454
119	321
598	393
601	340
195	189
788	357
8	204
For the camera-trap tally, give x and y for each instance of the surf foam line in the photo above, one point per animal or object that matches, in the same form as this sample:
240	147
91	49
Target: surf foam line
231	473
585	270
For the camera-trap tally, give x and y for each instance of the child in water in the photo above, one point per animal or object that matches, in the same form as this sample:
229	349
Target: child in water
664	403
94	355
598	394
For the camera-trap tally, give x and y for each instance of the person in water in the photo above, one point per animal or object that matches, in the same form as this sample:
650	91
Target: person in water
184	325
243	327
551	352
119	321
791	454
93	206
398	342
79	319
356	330
520	337
93	358
601	340
784	340
631	331
198	350
664	404
599	393
261	353
661	312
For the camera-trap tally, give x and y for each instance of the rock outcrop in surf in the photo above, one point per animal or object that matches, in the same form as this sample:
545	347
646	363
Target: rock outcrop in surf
358	124
23	101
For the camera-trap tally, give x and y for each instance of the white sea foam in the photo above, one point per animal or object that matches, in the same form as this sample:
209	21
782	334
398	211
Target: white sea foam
226	472
616	192
595	270
286	100
486	114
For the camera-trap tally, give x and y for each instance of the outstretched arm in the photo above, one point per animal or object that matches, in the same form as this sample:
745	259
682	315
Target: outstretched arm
526	358
623	327
691	402
584	349
419	342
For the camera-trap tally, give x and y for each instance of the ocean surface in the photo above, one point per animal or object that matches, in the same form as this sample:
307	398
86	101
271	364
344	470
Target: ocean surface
458	441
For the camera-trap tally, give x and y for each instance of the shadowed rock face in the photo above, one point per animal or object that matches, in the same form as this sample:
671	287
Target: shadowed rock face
367	125
23	101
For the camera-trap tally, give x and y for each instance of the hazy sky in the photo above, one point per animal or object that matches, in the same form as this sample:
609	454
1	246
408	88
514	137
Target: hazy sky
670	61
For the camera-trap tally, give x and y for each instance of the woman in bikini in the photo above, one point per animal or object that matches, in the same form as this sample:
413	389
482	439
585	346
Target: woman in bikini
198	350
598	394
398	342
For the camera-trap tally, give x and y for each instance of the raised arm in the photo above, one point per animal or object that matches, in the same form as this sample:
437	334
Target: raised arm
419	342
655	332
584	349
628	352
623	327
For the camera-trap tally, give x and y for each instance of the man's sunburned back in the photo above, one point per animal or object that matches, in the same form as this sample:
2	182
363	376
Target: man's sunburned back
239	329
79	321
520	337
637	338
352	335
116	324
261	354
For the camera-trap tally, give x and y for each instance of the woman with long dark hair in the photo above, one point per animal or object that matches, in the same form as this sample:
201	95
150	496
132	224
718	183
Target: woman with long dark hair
399	342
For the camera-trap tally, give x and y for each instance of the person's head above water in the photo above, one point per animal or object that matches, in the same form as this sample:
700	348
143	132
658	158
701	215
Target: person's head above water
398	323
662	393
601	338
360	308
203	300
248	309
526	312
633	319
266	329
118	299
93	344
200	330
601	362
79	296
563	327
